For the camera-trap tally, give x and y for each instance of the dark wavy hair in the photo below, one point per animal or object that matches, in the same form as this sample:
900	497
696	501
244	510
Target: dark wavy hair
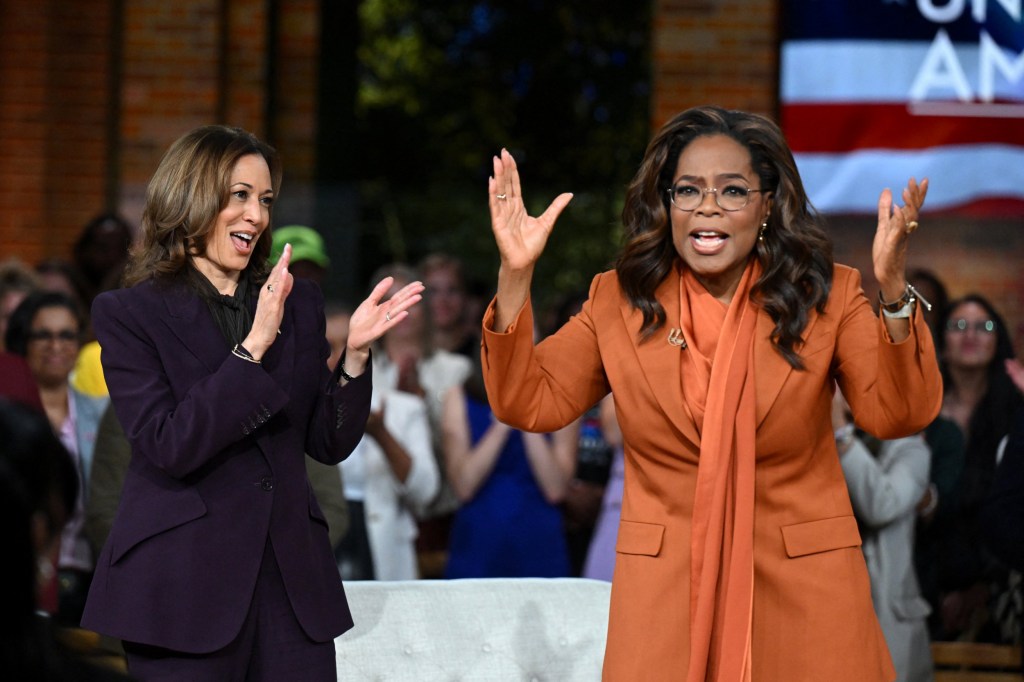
19	326
190	187
993	415
795	254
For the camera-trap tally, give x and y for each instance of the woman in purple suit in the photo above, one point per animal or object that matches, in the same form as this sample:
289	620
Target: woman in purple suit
218	565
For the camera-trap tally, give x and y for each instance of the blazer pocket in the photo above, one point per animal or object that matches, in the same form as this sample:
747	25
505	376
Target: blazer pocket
149	510
636	537
822	535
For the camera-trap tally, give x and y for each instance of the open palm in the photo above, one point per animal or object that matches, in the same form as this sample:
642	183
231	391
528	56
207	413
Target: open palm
889	249
520	237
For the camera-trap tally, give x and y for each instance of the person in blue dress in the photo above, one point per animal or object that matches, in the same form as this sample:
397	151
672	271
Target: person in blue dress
510	484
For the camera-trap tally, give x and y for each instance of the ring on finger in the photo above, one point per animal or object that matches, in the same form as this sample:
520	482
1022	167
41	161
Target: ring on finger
387	315
270	288
911	226
501	196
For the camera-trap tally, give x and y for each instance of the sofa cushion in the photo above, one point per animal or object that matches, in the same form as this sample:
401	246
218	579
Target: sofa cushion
480	630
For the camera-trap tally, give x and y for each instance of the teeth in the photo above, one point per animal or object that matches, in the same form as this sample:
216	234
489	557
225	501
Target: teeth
242	235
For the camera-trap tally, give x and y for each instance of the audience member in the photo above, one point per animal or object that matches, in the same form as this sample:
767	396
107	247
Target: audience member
56	274
99	257
309	257
46	330
600	560
444	277
101	253
938	507
390	473
38	490
509	483
408	361
980	399
1003	510
886	479
17	280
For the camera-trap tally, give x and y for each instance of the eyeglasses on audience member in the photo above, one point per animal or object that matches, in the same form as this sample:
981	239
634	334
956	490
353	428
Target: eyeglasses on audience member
63	336
961	326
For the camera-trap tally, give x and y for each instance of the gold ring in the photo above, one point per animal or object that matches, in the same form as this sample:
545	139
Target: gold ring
270	288
911	226
387	315
501	196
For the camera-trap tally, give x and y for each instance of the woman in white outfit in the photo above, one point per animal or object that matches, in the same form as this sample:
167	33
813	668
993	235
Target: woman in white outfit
885	488
391	472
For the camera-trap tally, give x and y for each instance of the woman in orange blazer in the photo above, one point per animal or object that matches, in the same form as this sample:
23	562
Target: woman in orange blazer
721	334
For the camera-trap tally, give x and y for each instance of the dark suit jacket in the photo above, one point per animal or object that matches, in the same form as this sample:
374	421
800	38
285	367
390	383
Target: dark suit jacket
1003	511
217	469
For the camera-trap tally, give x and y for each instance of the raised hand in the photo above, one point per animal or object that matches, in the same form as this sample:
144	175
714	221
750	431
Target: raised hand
520	237
895	225
270	306
372	319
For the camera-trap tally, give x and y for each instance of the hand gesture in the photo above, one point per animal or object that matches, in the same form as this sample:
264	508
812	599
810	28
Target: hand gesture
520	237
270	306
895	224
372	319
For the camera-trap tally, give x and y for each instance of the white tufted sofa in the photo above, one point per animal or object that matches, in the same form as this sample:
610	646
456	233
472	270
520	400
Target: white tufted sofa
529	629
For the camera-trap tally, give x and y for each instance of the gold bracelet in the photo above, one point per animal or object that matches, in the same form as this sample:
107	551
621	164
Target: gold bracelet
239	351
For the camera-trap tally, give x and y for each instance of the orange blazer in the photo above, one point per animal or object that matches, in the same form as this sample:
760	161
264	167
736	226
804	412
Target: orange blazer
812	613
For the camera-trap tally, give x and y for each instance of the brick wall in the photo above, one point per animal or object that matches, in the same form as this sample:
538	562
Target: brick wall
53	112
79	134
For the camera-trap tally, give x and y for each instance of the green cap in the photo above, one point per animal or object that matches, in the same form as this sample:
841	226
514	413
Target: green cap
307	244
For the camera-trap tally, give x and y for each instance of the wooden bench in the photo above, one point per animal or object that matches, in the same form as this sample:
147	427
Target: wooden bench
972	662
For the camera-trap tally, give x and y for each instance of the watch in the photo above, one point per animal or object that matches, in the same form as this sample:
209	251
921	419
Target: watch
903	307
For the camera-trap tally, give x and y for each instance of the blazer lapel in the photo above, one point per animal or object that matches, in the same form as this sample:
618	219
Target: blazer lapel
190	321
771	369
660	360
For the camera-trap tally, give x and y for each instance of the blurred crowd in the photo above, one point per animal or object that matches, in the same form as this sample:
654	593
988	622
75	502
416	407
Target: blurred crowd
438	488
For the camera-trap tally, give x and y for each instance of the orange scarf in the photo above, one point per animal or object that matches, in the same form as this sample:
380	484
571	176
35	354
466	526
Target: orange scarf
718	382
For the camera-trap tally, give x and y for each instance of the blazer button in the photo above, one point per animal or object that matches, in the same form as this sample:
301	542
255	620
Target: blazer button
267	483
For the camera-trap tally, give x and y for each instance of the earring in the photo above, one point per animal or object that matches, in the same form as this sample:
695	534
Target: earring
760	233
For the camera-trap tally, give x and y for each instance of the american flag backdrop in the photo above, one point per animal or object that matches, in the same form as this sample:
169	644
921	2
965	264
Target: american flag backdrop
874	91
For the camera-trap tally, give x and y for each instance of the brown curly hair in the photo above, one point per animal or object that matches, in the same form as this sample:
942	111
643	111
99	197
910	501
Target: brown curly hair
190	187
796	254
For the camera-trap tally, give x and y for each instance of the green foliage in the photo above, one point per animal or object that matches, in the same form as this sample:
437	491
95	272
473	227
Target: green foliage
444	85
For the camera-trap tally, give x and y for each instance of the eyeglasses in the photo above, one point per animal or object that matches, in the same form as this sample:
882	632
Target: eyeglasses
733	197
961	326
64	335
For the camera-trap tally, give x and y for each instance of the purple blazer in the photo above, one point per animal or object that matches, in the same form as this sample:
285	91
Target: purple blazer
217	469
